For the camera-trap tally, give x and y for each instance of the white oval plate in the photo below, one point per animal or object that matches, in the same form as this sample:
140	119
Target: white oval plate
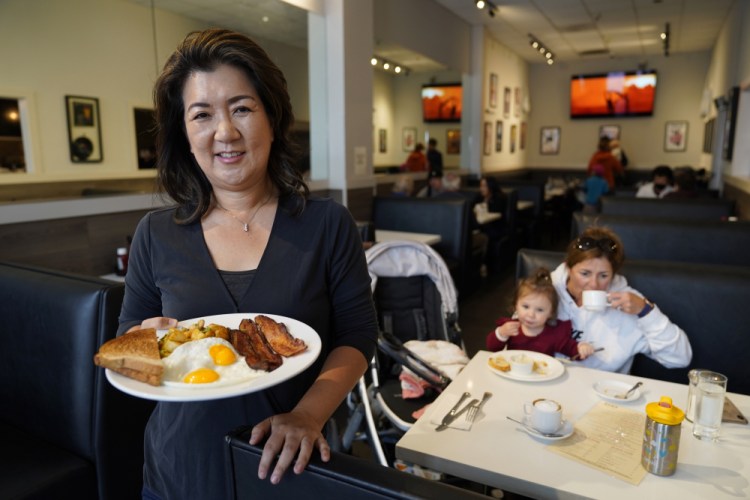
289	368
553	369
608	388
566	430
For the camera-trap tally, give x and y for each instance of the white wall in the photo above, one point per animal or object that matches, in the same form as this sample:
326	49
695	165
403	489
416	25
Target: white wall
679	91
103	49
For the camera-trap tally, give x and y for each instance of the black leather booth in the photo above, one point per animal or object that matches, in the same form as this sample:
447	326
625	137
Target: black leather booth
676	240
697	209
707	301
344	476
448	217
65	432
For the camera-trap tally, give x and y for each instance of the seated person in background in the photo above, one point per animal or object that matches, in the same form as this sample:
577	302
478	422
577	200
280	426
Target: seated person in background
416	161
492	199
434	186
631	324
404	186
604	157
685	185
660	185
534	326
594	187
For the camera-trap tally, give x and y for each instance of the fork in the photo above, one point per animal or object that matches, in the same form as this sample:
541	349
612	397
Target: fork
471	415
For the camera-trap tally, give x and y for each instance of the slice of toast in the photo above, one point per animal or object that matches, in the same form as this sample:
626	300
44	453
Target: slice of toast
134	354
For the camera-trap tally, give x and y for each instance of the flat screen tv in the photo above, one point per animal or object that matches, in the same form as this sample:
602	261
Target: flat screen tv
625	93
441	102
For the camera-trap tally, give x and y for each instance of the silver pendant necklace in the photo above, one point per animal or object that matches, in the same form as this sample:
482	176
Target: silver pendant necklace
245	225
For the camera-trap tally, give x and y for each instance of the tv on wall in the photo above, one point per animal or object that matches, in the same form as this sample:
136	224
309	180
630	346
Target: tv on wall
624	93
441	102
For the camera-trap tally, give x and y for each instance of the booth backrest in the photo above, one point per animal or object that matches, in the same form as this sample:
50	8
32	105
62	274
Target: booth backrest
448	217
53	324
707	301
344	476
651	238
528	190
698	209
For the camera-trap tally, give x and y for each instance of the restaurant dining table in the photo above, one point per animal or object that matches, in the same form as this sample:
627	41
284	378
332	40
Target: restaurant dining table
382	235
497	452
487	217
524	205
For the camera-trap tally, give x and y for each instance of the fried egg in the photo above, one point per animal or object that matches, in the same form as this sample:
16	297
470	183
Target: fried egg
211	360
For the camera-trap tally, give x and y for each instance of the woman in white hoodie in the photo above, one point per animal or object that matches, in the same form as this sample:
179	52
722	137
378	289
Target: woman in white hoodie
631	325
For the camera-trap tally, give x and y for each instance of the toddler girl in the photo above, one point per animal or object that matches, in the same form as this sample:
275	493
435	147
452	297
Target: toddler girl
534	326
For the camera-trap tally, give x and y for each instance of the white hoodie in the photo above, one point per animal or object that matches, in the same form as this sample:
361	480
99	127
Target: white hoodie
621	335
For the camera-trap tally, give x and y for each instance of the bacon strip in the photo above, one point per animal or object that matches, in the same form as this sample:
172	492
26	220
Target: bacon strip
279	337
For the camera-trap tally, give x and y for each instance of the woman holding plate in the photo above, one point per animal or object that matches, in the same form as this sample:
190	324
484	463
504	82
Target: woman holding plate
630	325
244	236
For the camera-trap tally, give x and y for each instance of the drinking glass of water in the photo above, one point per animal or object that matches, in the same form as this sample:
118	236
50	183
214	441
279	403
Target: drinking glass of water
709	405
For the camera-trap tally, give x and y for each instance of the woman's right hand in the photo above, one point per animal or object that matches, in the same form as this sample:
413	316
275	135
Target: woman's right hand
158	322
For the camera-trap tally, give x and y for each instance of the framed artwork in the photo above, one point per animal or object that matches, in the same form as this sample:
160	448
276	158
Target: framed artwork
84	129
675	136
708	135
382	140
549	141
731	123
409	138
517	101
498	136
523	135
611	131
487	138
513	137
493	90
453	141
145	137
506	102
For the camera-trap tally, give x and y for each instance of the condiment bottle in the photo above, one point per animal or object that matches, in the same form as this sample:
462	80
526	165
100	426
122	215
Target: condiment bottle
122	261
661	437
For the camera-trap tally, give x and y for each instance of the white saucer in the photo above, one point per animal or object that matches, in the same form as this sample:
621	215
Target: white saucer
566	430
608	388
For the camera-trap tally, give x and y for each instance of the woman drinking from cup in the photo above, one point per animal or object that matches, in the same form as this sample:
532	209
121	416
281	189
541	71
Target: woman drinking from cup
631	324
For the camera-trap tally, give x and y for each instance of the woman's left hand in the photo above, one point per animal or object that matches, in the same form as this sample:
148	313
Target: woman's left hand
626	302
293	434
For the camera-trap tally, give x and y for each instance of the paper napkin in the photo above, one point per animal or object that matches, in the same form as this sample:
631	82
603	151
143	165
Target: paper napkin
443	405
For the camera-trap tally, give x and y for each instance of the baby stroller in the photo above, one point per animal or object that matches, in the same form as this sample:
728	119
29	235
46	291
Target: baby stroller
415	299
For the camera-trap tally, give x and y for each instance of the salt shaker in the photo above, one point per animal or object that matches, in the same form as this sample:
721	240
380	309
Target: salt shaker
661	437
122	261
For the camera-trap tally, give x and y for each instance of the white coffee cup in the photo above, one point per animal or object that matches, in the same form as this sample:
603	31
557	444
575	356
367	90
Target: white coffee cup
521	364
544	415
595	300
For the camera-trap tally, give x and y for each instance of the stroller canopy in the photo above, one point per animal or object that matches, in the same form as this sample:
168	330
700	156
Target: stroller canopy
410	258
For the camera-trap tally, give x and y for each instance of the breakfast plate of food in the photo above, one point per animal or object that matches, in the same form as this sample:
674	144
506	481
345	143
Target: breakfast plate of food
208	358
525	366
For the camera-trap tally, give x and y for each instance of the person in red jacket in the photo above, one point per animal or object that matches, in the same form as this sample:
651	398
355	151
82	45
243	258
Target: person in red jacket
417	161
605	158
534	325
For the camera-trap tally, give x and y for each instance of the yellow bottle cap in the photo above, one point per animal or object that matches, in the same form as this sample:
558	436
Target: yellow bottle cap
665	412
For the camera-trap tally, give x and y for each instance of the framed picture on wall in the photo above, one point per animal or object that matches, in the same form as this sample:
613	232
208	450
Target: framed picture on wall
549	141
611	131
453	141
517	101
487	138
409	138
523	135
84	129
708	135
498	136
493	90
675	136
730	123
382	147
513	137
506	102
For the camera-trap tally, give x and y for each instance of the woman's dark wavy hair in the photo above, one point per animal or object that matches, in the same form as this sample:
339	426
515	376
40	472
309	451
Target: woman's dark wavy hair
178	173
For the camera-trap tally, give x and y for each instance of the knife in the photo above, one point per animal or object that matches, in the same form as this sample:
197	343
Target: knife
451	417
446	419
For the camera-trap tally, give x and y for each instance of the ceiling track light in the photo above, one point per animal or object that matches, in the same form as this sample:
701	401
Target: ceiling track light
543	51
491	7
389	66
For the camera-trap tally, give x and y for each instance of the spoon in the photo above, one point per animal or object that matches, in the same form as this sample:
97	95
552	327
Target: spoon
630	391
534	431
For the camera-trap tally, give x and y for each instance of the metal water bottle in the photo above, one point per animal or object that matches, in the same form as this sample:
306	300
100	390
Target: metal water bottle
661	437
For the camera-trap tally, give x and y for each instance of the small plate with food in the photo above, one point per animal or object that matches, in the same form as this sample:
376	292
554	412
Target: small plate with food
207	358
526	366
